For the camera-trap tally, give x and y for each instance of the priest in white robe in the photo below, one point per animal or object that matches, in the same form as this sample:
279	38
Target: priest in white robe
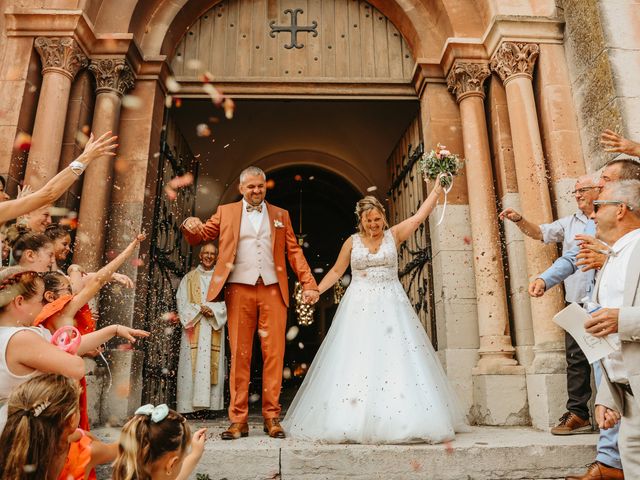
201	369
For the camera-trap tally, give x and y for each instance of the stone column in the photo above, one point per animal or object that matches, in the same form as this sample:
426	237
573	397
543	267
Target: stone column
514	63
496	351
114	78
62	58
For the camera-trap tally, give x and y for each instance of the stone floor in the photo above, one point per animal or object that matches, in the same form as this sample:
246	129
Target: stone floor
482	453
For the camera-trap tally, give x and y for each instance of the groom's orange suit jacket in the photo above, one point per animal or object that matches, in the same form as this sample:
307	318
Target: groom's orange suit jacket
224	225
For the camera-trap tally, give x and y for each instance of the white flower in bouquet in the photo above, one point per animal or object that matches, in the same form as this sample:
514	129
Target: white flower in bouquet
440	162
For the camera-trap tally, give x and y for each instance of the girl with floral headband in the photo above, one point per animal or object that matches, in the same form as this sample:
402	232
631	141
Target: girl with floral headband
63	307
26	351
154	444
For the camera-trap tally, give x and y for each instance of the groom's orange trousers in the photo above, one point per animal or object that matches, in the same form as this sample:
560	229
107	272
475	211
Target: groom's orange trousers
251	307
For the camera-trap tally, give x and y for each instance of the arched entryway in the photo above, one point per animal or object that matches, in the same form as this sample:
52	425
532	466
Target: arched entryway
332	108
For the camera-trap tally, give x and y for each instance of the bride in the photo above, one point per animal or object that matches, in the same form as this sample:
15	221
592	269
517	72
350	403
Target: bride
375	378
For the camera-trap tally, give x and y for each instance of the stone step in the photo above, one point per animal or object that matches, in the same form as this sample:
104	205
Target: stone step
482	453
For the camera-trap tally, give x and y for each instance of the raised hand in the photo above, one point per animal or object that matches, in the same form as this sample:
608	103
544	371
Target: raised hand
593	253
510	214
614	142
122	279
130	333
197	443
95	148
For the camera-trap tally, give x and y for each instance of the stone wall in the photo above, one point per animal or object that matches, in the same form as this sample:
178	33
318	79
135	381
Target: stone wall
602	45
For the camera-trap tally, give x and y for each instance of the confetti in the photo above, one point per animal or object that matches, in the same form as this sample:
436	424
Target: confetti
120	165
298	178
271	184
373	188
292	332
168	101
203	130
81	138
29	468
286	373
22	142
137	262
215	94
318	270
229	107
263	333
300	345
254	398
194	64
176	183
172	85
132	102
467	240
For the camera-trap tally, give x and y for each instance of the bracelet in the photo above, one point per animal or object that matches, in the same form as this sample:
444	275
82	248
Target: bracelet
77	167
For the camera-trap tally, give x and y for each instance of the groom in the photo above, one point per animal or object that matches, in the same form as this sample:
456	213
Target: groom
254	237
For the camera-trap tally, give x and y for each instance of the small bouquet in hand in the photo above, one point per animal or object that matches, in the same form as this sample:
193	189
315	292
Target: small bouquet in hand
440	162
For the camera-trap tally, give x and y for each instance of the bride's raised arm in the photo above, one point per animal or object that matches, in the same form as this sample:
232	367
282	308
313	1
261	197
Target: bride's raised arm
405	229
338	269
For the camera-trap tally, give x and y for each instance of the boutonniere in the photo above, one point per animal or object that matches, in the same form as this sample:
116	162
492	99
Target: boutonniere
278	224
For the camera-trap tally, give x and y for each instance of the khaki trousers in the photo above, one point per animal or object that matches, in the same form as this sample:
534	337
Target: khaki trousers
629	437
250	307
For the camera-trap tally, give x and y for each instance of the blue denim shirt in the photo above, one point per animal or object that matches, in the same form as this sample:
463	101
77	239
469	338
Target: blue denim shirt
565	265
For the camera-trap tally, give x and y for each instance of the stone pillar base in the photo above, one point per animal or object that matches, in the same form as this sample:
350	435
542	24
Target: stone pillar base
125	395
500	399
547	398
525	355
457	363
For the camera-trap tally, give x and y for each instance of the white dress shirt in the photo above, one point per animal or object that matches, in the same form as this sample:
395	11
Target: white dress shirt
255	217
611	295
564	230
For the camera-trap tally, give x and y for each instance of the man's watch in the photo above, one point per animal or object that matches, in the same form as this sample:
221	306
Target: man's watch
77	167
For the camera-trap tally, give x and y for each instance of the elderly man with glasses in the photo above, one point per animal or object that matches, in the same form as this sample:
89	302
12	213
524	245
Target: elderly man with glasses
617	291
576	286
591	254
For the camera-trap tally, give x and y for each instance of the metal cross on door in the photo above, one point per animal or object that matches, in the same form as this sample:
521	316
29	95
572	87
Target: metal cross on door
294	28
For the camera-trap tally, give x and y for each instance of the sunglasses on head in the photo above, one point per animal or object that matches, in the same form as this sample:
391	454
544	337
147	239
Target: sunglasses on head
598	203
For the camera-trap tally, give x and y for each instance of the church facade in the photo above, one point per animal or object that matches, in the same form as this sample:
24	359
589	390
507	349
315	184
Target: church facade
354	92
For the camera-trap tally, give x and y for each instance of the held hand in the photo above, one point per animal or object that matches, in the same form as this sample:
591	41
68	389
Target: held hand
606	417
510	214
310	296
206	311
104	145
130	333
197	443
614	142
603	322
193	225
588	259
537	288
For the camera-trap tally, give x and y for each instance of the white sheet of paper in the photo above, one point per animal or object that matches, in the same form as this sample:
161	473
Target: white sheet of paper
572	320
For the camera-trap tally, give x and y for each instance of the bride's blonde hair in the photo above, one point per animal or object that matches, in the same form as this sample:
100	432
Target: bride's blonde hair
367	204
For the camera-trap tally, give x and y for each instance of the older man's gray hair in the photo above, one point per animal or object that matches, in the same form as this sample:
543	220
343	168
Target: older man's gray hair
251	171
627	191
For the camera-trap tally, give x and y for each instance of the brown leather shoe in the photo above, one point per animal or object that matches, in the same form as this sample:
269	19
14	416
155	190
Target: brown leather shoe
273	428
599	471
572	424
235	431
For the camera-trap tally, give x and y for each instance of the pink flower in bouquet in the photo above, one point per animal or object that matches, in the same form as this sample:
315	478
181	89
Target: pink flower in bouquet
445	153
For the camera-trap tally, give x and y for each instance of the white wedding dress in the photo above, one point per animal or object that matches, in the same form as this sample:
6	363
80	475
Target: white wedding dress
376	378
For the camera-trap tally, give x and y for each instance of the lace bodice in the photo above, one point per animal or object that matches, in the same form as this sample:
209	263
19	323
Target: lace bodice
381	266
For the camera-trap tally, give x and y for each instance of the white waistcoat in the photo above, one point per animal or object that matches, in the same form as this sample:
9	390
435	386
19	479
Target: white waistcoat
254	255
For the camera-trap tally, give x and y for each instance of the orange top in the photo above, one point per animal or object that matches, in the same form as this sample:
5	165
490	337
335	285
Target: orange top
83	319
77	460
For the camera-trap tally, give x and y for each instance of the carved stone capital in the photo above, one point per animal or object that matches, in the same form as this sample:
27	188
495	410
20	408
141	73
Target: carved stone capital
515	59
112	75
60	54
467	78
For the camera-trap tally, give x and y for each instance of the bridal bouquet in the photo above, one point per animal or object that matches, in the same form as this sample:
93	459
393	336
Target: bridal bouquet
440	162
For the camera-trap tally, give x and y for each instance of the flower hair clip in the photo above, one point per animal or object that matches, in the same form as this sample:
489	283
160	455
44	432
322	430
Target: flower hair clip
41	407
157	414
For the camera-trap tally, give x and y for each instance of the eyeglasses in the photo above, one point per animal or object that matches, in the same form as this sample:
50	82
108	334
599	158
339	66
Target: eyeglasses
598	203
583	190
